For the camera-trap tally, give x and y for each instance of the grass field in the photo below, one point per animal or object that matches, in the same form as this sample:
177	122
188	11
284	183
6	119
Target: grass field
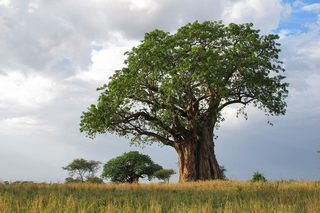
213	196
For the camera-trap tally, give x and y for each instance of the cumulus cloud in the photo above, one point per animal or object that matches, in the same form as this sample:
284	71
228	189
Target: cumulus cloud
4	3
25	90
24	125
266	14
312	7
301	54
106	58
56	36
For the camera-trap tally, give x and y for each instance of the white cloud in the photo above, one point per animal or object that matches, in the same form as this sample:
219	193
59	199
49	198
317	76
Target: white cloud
286	11
25	125
313	51
5	3
232	120
23	121
312	7
55	36
25	90
284	33
264	14
301	56
143	5
108	58
300	53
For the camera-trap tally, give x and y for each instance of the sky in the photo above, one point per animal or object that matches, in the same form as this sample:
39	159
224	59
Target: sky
55	53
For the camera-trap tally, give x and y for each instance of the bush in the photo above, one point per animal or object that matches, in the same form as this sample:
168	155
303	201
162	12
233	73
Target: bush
94	180
258	177
72	180
23	182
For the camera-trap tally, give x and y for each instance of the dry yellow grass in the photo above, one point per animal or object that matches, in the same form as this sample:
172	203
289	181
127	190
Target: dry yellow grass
197	197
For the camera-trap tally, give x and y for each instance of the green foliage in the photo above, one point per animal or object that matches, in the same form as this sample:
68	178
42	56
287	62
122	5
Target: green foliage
72	180
258	177
164	174
94	180
174	84
82	169
129	167
22	182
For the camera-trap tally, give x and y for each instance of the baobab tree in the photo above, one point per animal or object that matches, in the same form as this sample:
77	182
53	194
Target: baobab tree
173	89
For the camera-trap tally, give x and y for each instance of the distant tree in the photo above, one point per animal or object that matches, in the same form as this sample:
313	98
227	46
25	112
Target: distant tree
258	177
82	169
23	182
164	174
223	173
129	167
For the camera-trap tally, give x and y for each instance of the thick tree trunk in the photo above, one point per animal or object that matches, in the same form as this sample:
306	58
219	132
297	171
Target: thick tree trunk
196	158
133	180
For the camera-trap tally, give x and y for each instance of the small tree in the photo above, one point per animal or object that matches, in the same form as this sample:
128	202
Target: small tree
258	177
223	173
164	174
82	169
129	167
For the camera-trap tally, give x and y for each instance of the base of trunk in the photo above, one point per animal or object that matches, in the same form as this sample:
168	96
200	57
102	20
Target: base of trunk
197	160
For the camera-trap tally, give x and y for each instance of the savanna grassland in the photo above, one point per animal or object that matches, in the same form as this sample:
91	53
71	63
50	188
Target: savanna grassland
210	196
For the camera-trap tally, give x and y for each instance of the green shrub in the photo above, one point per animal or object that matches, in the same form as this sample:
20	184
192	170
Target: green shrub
257	177
94	180
72	180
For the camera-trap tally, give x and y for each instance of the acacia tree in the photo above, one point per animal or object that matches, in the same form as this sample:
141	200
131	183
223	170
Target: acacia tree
82	169
173	88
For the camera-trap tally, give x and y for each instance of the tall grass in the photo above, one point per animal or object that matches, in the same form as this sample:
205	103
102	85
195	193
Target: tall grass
210	196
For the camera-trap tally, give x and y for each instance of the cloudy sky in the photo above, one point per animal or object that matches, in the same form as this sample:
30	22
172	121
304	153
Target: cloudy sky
55	53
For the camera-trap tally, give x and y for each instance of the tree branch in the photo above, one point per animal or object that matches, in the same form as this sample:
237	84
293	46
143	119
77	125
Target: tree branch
240	101
140	131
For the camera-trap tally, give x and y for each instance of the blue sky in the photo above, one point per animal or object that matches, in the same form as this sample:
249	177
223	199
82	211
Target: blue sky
300	17
54	54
